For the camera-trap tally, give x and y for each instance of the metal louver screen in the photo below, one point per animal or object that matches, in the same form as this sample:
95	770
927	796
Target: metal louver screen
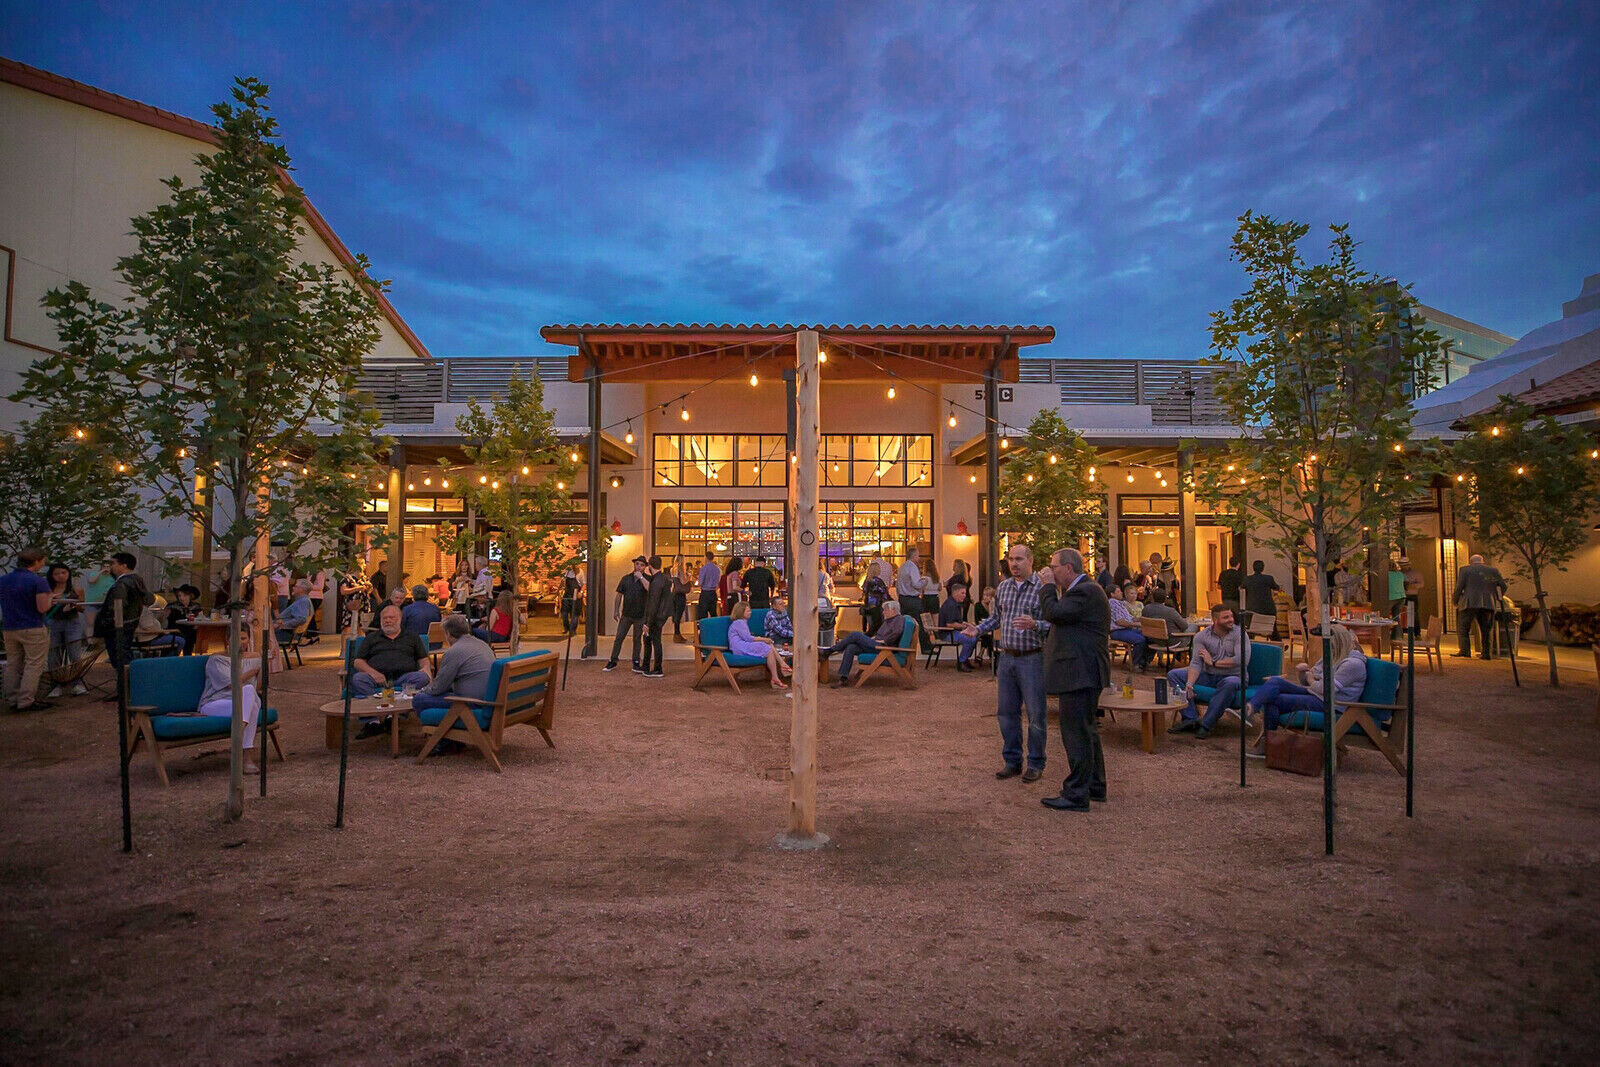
1098	381
403	392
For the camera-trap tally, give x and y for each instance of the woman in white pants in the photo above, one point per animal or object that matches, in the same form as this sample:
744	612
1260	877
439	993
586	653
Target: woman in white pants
216	698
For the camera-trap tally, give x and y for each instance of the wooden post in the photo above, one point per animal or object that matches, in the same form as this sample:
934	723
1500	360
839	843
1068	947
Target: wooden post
594	580
395	520
1187	562
802	833
991	473
200	560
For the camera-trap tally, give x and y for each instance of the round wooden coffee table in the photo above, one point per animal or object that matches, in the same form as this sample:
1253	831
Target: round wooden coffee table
369	708
1144	703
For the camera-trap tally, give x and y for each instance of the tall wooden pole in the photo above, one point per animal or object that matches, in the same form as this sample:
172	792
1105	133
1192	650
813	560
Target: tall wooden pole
991	472
594	577
803	600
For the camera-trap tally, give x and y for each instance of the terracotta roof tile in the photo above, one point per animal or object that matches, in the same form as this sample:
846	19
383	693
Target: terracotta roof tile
1576	387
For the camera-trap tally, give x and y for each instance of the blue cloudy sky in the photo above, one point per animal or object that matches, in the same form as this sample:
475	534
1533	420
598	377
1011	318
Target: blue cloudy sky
1073	164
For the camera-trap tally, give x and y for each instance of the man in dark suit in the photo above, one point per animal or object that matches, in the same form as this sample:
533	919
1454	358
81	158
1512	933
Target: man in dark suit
1077	663
1479	588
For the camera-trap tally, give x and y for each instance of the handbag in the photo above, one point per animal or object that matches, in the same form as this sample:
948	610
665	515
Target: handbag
1294	752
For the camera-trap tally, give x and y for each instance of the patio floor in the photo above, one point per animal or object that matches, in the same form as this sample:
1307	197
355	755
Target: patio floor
618	898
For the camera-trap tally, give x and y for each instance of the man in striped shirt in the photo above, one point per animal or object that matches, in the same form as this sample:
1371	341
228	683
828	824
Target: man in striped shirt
1020	671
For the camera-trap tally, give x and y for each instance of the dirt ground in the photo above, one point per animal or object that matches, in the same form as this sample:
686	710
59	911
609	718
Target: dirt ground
618	898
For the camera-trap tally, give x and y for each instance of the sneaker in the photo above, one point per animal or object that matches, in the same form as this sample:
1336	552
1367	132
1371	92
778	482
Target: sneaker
79	690
54	692
638	669
608	667
655	674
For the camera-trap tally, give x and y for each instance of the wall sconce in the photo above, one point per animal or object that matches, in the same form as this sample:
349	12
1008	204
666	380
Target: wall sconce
961	528
616	526
616	481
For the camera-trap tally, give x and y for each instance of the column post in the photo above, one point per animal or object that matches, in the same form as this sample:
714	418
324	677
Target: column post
594	598
200	558
991	467
789	402
394	522
1187	565
802	534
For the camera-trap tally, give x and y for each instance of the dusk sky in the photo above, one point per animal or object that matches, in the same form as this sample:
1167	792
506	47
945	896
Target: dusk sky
1078	165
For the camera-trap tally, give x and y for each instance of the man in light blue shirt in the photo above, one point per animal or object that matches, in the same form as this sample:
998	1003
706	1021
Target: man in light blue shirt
417	616
296	612
710	574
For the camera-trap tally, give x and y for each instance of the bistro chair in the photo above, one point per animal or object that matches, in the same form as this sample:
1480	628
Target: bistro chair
1159	642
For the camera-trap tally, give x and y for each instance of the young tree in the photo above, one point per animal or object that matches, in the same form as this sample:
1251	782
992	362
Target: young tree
1048	497
1320	360
228	348
66	492
1528	483
519	480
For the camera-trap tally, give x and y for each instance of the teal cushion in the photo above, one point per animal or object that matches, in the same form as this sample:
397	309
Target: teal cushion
1304	720
714	631
434	716
491	687
733	659
1383	687
758	621
171	684
186	727
1265	661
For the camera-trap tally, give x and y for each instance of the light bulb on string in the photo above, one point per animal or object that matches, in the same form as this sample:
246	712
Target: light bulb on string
754	380
628	437
952	419
1521	470
1130	477
561	485
524	469
973	478
1461	477
495	484
411	487
891	392
427	481
483	479
1005	442
305	470
573	455
1054	459
444	483
1091	472
1029	478
78	433
684	414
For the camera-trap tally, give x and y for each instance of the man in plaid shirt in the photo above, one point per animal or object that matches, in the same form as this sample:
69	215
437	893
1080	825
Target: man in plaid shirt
1020	670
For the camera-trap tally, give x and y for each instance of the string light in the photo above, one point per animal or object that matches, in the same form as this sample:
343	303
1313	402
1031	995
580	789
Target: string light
444	483
1053	459
1311	458
1030	478
1495	432
952	419
1005	443
628	437
183	453
822	355
754	380
427	481
483	479
973	478
1398	447
1521	470
1461	477
891	392
1230	468
573	457
1130	477
410	488
561	485
616	483
78	433
495	484
1091	472
121	468
684	414
524	469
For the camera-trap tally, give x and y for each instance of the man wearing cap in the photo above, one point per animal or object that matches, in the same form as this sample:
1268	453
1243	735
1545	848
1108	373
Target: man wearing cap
633	598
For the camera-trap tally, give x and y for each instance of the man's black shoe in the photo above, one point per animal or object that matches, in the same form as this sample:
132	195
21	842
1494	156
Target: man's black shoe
38	705
1461	655
1101	799
637	669
1486	657
655	674
609	667
371	729
1007	772
1202	733
1033	774
1184	726
1061	803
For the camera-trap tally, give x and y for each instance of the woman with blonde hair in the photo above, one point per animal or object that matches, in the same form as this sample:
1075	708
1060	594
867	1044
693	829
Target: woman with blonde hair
1280	696
742	643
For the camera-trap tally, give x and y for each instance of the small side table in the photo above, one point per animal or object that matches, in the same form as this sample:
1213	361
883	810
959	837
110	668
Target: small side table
367	708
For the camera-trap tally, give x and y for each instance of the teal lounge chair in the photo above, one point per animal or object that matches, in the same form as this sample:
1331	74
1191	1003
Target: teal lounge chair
1373	718
711	651
163	694
900	660
1265	661
520	690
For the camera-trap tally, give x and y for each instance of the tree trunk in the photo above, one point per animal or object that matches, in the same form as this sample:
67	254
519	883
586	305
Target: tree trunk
1544	624
234	810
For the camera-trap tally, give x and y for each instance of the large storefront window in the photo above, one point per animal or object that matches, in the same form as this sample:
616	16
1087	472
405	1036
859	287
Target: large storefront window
721	459
687	529
877	459
853	534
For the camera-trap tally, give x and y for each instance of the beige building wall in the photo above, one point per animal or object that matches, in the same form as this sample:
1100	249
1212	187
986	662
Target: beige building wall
73	178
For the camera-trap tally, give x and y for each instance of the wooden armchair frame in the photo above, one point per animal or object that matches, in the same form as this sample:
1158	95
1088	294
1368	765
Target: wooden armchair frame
526	695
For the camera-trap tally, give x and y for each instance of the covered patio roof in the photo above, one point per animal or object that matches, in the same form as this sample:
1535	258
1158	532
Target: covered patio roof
698	352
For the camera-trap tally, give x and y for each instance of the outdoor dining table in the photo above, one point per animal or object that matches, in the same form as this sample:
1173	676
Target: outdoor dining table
1367	630
373	707
1151	714
210	635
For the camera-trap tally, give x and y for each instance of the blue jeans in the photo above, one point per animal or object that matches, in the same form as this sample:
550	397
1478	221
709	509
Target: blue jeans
1278	697
964	646
425	701
854	644
1021	684
1226	686
362	685
1133	637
